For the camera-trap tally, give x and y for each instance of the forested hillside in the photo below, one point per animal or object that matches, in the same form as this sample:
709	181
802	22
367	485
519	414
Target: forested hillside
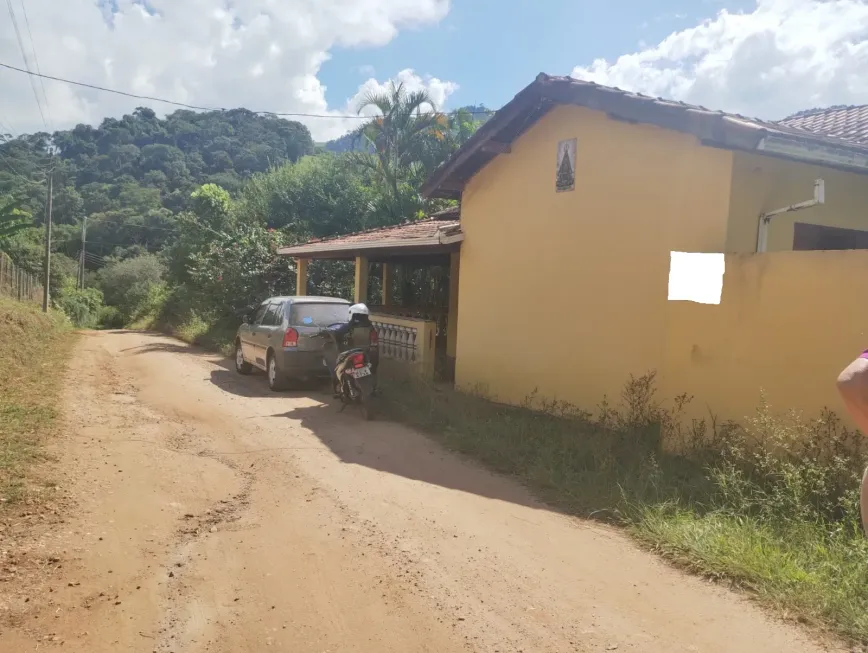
171	156
184	213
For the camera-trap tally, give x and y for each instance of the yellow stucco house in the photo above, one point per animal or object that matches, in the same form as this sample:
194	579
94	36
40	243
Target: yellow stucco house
573	196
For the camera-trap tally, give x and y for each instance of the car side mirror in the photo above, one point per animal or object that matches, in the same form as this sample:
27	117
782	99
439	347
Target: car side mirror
245	319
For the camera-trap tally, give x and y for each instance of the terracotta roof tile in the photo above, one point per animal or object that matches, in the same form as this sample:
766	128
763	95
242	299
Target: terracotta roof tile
402	233
847	123
418	229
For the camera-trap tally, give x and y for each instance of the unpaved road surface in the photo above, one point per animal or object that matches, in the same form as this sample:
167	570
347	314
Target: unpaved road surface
211	515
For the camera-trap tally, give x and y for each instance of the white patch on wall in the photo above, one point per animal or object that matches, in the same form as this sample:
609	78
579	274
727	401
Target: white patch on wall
696	277
566	172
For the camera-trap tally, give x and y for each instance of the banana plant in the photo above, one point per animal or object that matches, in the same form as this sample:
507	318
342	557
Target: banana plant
12	218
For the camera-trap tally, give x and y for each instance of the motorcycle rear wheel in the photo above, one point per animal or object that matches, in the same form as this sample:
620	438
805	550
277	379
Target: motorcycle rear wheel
366	398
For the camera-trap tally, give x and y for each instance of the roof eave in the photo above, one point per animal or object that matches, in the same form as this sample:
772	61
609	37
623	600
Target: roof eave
304	251
710	127
819	153
436	185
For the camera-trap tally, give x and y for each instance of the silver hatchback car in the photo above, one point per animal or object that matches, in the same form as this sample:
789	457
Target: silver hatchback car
278	337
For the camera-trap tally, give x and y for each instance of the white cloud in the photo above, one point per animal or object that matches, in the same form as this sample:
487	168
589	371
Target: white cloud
258	54
784	56
437	89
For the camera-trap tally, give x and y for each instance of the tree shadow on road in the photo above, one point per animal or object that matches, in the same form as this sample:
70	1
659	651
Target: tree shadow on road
255	385
168	347
397	449
381	445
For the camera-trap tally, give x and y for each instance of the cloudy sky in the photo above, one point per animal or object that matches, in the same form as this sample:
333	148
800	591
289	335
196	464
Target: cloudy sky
766	58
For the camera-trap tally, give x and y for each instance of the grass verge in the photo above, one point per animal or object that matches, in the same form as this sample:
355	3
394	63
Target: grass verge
176	317
34	349
771	506
214	335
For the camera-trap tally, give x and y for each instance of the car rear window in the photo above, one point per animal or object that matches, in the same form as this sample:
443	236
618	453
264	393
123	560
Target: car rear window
318	315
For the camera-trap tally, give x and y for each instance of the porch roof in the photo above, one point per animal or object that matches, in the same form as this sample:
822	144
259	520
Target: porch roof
438	234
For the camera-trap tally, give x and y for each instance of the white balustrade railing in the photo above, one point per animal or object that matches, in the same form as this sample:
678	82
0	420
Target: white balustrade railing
440	316
398	342
407	340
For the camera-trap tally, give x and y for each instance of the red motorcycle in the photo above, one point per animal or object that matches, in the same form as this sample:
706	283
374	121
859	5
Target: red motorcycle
354	373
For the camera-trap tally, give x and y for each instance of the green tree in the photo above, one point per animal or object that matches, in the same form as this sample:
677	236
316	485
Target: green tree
439	146
238	268
319	196
397	139
212	206
130	284
211	216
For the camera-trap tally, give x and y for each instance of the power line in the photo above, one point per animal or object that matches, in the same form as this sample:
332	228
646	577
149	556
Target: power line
198	108
109	90
77	241
6	125
26	62
42	169
112	219
36	60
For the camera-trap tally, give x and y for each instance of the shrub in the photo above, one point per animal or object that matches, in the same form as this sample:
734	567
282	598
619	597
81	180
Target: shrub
238	269
786	469
181	316
82	306
132	285
110	318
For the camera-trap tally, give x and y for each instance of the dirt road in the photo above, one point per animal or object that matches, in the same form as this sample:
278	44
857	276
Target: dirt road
212	515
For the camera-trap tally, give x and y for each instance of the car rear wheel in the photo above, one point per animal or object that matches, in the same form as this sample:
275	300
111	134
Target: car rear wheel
276	380
241	365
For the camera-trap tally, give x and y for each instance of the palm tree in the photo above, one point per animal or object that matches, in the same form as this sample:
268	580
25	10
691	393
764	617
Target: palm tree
397	143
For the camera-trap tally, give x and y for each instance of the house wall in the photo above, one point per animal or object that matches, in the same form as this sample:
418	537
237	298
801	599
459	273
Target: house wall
764	183
566	292
787	324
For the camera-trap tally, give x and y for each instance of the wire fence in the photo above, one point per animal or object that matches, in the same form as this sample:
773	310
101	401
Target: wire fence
18	284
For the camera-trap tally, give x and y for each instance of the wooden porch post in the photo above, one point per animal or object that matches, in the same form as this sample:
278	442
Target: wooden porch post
406	284
388	275
361	285
452	324
301	276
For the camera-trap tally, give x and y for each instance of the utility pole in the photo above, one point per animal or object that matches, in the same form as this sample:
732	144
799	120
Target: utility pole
83	245
45	290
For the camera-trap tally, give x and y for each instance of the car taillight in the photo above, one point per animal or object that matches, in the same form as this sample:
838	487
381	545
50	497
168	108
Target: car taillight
357	360
290	338
375	338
